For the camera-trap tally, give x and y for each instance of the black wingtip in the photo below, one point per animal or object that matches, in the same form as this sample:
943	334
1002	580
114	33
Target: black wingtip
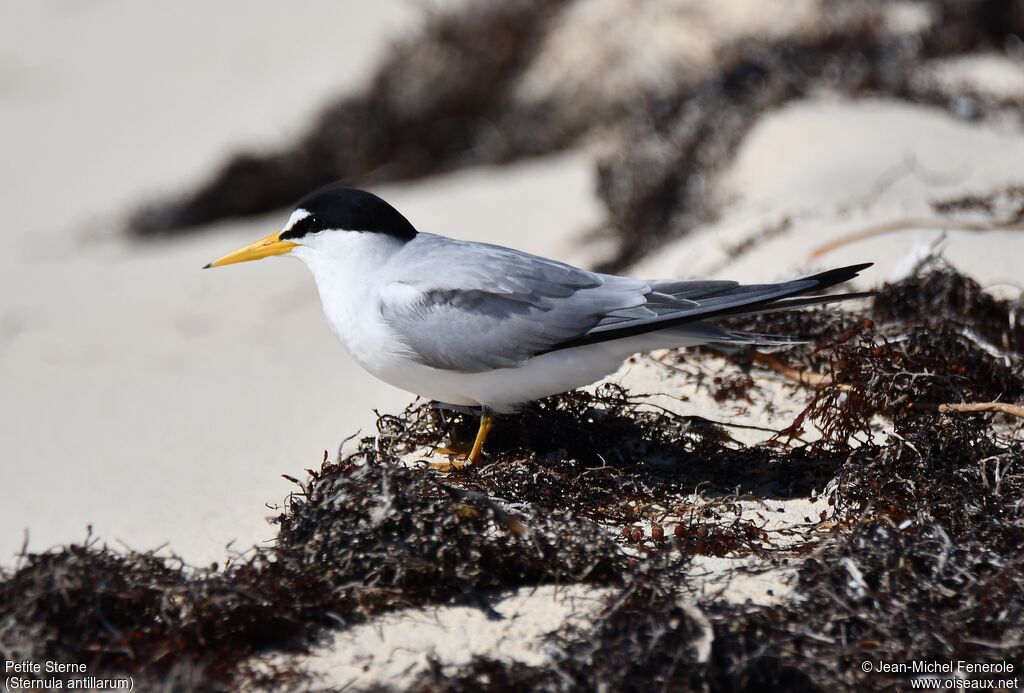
839	275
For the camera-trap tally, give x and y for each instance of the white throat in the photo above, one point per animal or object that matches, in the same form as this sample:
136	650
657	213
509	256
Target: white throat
349	267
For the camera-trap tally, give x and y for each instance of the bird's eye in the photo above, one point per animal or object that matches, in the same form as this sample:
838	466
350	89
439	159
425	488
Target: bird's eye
303	227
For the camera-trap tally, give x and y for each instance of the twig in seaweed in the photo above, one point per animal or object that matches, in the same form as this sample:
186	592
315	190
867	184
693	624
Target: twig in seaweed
1001	407
804	377
907	224
813	379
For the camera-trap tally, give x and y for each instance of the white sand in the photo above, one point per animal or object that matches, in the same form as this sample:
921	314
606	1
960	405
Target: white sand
832	167
604	52
396	647
989	74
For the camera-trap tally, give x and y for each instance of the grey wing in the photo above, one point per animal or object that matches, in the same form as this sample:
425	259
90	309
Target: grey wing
473	307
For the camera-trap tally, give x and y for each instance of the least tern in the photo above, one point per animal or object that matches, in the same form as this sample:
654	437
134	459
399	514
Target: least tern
479	325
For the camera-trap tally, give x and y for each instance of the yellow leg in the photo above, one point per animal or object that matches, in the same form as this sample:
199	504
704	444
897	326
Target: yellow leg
486	423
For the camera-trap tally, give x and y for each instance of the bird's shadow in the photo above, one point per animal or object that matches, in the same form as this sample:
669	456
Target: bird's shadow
585	450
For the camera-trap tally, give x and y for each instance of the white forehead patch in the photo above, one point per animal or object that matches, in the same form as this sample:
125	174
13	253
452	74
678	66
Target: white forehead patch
297	216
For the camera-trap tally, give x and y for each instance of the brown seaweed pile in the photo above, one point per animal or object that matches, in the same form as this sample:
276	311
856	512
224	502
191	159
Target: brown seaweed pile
932	340
918	558
607	455
878	593
355	541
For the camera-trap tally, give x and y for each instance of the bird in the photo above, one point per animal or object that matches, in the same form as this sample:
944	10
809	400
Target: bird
475	325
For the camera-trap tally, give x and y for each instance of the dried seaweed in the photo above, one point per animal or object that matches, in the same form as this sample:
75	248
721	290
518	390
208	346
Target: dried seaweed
936	337
356	541
1005	205
938	293
149	616
880	594
924	565
609	456
392	536
877	594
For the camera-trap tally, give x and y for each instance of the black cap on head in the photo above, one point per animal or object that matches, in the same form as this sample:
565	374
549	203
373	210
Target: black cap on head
337	207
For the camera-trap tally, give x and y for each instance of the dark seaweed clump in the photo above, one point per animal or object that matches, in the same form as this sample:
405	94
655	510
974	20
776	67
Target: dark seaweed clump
935	338
878	593
357	540
609	456
148	616
918	557
944	296
407	538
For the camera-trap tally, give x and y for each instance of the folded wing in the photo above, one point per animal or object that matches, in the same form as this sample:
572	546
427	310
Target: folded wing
494	307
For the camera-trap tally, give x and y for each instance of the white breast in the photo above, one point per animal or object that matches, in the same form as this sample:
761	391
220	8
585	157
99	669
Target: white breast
346	266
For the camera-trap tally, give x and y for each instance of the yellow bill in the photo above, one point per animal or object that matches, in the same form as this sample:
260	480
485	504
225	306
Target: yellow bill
265	247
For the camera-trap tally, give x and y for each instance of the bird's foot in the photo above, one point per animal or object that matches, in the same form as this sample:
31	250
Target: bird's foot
456	448
453	465
471	456
462	453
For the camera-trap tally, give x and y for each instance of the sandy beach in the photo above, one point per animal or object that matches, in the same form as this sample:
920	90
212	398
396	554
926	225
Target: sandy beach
157	405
